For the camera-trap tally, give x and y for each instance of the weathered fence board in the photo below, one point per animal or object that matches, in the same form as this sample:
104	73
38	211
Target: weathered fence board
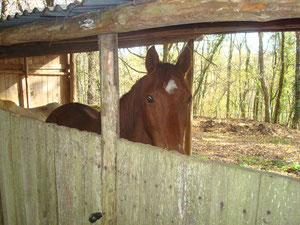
49	174
52	175
279	200
7	173
158	187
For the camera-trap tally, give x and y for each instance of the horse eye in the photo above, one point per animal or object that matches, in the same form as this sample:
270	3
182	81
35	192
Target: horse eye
189	100
150	99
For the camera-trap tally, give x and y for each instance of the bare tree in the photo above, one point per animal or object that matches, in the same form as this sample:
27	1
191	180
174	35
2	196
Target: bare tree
229	77
296	118
262	78
209	61
244	84
280	85
91	87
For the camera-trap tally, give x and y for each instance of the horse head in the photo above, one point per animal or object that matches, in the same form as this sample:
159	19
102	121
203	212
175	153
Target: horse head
166	99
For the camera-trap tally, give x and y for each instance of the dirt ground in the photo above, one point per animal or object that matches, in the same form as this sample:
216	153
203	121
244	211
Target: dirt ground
258	145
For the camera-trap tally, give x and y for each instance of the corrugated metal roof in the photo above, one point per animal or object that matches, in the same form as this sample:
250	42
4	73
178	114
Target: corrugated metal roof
60	11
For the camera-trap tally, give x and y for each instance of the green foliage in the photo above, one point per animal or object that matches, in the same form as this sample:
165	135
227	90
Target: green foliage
295	166
267	164
279	141
203	157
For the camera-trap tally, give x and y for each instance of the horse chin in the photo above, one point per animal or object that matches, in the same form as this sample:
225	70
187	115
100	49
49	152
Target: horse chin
171	147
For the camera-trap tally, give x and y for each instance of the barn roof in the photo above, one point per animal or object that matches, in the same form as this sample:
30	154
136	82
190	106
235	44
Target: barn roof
60	11
75	28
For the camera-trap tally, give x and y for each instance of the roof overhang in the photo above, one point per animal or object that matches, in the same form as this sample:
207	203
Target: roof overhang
149	23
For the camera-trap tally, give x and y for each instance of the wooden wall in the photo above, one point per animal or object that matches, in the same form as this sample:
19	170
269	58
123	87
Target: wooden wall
47	78
52	175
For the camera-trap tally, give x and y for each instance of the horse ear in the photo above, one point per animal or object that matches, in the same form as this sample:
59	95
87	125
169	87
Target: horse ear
184	60
152	59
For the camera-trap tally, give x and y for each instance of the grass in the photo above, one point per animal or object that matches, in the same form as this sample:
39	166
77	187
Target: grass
267	164
199	156
279	141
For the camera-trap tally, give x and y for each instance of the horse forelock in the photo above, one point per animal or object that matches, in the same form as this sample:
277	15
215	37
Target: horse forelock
165	73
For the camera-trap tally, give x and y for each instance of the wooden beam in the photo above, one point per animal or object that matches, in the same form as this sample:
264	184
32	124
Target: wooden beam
172	34
108	45
26	73
152	15
189	81
20	91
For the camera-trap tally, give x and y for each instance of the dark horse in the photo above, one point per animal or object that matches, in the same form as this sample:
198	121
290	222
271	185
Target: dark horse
153	112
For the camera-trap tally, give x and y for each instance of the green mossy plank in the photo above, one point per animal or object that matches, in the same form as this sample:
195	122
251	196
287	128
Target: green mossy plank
17	148
197	191
242	196
29	159
158	187
92	174
6	168
68	161
279	200
46	136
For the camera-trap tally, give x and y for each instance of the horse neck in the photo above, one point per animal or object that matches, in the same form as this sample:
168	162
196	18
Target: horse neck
131	111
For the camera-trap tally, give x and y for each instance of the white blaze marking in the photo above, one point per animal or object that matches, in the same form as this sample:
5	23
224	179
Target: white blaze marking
171	87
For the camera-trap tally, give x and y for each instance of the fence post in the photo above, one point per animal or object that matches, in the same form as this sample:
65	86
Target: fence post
189	81
108	45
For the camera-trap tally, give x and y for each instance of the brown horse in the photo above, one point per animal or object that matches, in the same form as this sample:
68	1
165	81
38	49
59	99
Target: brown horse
153	112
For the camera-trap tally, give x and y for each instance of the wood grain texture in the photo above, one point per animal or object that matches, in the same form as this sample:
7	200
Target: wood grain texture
159	187
110	128
160	13
44	74
52	175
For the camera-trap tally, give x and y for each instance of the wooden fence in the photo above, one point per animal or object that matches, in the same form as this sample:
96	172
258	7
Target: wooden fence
51	175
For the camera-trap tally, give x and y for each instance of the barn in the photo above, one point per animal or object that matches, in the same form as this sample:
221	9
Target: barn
57	175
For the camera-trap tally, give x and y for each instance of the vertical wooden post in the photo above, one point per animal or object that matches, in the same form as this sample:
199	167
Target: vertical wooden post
72	77
26	71
189	81
108	45
20	91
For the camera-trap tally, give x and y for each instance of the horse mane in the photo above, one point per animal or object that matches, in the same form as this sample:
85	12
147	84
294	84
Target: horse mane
130	108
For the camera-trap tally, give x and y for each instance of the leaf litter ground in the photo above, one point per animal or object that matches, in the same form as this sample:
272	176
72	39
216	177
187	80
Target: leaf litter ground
257	145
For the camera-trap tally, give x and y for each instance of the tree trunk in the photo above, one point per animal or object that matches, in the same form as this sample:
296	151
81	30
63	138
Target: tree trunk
91	90
4	9
296	118
255	105
277	106
245	84
229	77
165	53
262	79
206	67
274	72
189	123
